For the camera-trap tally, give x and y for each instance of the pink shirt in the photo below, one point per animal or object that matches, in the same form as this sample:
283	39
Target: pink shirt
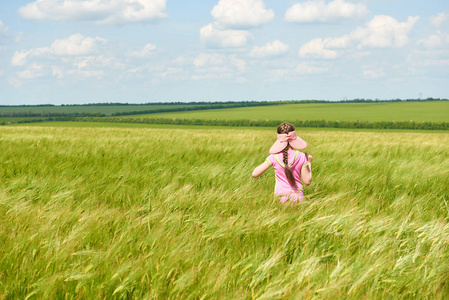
296	160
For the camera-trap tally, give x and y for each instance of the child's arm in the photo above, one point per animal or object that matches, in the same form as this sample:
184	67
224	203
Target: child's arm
306	172
259	170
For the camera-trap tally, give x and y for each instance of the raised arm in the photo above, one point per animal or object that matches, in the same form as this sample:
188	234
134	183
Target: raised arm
306	172
259	170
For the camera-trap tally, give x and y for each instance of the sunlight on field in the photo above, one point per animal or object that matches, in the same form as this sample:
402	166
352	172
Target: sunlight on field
390	111
159	213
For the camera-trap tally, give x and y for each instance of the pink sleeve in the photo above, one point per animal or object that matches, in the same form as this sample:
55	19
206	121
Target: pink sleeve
271	159
302	159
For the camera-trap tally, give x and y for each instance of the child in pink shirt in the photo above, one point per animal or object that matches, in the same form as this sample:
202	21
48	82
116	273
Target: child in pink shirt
290	166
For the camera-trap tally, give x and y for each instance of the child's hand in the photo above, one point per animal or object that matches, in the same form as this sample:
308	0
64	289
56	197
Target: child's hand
308	157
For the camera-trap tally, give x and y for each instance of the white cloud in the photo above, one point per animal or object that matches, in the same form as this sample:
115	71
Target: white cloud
61	72
211	36
319	11
384	31
76	45
437	40
20	57
146	51
217	66
275	48
34	71
77	56
316	48
438	60
380	32
231	17
100	12
239	14
340	42
209	59
440	19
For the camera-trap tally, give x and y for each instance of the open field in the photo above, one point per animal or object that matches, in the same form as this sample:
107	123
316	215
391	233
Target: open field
434	111
169	213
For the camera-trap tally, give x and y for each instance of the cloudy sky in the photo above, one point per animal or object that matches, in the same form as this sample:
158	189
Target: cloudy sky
136	51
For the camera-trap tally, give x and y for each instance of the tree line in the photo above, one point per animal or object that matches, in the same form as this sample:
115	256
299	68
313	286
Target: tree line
198	107
48	114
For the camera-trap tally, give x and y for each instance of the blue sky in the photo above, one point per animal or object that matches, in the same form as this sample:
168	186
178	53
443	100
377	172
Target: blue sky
138	51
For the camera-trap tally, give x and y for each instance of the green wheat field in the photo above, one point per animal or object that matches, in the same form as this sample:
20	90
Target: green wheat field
171	212
430	111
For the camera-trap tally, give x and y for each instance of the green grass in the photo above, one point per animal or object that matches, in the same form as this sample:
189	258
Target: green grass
174	213
432	111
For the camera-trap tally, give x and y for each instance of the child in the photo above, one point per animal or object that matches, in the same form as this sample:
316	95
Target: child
289	165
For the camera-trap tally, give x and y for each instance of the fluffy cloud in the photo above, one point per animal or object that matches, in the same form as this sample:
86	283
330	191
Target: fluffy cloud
326	48
319	11
218	60
213	37
146	51
384	31
316	48
275	48
420	61
440	19
217	66
239	14
437	40
75	55
100	12
20	57
34	71
75	45
379	32
231	16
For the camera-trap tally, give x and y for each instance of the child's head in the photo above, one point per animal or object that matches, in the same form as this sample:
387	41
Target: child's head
285	128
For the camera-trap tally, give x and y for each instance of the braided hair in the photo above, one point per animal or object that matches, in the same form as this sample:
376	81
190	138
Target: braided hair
286	128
